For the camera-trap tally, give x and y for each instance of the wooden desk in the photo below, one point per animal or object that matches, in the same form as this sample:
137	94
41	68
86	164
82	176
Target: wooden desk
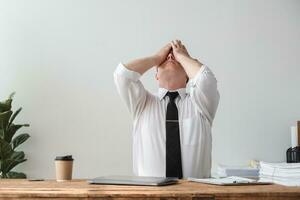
80	189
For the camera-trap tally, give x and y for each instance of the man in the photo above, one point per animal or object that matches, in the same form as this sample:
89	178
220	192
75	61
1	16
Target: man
171	130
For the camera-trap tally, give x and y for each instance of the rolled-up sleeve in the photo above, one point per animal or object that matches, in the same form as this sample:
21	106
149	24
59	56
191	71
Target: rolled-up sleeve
204	92
130	89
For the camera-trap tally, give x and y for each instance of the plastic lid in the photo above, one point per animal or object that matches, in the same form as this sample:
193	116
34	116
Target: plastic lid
68	157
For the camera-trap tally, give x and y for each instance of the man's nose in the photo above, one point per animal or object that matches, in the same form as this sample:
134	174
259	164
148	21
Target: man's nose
170	56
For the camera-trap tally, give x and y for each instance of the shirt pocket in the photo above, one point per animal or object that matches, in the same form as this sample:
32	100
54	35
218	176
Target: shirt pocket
191	128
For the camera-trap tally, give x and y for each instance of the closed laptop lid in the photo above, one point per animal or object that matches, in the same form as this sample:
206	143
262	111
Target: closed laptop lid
133	180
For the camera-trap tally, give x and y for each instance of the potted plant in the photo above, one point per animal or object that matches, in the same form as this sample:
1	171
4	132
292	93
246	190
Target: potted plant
10	156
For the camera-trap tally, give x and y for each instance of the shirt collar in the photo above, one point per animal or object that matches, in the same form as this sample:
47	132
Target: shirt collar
163	91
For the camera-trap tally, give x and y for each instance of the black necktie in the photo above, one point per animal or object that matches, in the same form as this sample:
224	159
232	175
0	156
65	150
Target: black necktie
173	151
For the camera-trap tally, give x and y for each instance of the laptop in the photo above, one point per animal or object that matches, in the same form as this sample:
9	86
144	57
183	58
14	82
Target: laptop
134	180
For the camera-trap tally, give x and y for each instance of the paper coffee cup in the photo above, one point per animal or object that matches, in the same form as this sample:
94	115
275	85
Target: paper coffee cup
63	168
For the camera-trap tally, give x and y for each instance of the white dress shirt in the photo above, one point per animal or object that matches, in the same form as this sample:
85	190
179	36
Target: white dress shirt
196	111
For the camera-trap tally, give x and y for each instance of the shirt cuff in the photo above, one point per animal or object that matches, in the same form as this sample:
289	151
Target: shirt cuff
123	71
192	82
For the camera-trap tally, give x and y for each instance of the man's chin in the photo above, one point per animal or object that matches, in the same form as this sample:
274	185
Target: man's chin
171	65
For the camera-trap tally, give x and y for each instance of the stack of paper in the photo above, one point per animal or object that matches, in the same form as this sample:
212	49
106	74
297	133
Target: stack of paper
231	180
281	173
242	171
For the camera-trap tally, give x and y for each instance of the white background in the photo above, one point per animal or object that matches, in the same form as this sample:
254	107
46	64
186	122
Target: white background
59	56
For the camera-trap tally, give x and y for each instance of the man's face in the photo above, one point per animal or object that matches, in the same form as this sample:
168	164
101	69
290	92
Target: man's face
170	69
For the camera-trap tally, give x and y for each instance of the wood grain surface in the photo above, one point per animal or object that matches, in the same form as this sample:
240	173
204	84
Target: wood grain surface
80	189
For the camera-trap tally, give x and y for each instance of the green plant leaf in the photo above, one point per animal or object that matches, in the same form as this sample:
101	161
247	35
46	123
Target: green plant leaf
6	105
9	164
17	155
13	174
11	95
15	158
2	133
5	150
19	139
12	129
14	115
4	119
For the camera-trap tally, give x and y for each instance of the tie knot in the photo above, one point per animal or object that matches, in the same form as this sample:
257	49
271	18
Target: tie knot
172	95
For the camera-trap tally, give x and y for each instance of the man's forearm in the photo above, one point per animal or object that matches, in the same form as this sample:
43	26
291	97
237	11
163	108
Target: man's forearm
190	65
141	65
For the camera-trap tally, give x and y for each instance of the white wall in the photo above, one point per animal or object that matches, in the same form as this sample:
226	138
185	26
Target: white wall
59	56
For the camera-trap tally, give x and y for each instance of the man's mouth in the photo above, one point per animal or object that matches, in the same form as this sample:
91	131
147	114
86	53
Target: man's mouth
172	61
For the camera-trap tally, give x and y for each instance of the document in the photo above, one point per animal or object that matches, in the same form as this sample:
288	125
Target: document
231	180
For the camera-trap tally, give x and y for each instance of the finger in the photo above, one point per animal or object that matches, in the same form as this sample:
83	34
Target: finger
185	49
174	45
179	43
